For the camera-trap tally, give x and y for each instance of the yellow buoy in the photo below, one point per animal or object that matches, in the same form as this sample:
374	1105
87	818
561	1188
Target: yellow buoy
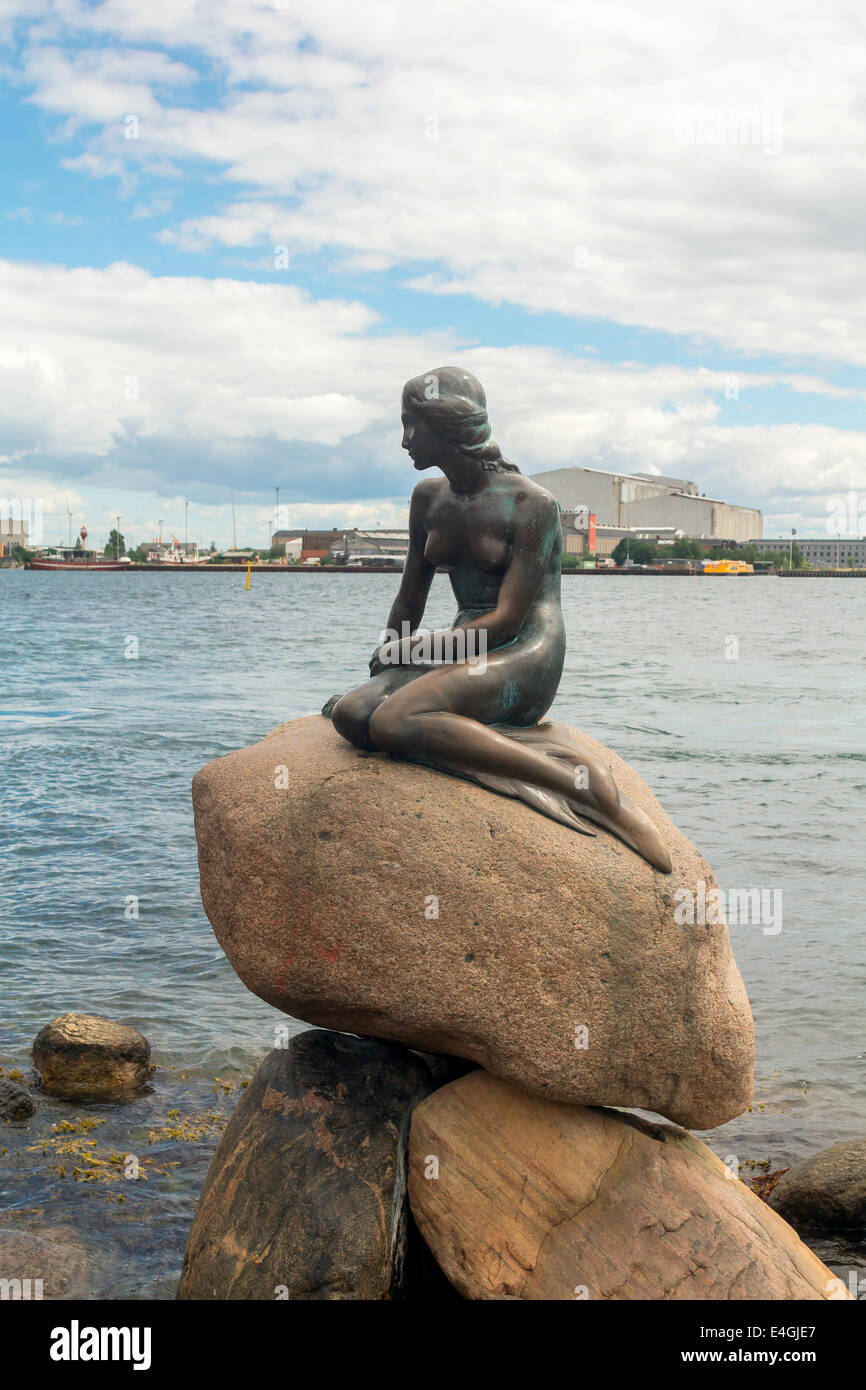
249	571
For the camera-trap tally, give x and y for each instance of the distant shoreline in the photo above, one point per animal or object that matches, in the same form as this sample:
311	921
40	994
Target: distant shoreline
570	571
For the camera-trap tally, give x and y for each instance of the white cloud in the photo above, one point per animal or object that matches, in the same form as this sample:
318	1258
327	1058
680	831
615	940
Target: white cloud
122	381
665	167
706	159
155	207
65	219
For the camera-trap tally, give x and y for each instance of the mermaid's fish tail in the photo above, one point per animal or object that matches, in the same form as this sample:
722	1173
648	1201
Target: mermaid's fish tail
600	801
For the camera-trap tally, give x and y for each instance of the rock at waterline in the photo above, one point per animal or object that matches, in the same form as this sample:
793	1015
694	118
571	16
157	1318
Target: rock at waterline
86	1057
523	1198
16	1102
379	897
826	1192
306	1194
50	1264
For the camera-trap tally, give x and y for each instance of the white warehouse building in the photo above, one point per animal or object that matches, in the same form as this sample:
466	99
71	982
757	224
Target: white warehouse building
650	500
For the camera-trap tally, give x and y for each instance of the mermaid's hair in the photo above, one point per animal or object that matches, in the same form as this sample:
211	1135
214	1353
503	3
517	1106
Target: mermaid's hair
452	404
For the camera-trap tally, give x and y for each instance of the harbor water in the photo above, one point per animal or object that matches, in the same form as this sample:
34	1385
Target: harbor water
739	700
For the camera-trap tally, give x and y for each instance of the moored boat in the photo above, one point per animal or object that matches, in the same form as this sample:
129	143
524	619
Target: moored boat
728	567
87	562
77	557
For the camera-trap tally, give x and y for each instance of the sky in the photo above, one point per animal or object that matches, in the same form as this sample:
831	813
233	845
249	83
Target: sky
231	230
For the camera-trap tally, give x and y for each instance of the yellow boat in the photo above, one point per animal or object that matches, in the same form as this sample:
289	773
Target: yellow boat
728	567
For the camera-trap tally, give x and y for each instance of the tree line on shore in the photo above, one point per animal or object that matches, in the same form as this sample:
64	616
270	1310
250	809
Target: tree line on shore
639	552
645	552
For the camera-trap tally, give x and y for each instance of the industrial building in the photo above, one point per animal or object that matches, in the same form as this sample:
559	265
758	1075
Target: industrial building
12	533
598	510
650	502
580	537
827	552
314	545
382	544
343	545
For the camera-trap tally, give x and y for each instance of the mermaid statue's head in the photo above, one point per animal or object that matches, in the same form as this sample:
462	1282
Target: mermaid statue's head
447	407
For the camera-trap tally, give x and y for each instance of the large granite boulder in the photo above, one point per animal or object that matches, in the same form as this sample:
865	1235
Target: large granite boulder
523	1198
372	895
826	1192
306	1195
88	1057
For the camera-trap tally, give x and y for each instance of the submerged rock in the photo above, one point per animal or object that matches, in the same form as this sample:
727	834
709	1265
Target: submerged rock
85	1056
826	1192
363	893
522	1198
306	1194
52	1263
16	1102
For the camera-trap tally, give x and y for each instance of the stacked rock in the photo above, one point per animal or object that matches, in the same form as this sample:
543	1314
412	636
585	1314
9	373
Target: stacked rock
380	898
306	1196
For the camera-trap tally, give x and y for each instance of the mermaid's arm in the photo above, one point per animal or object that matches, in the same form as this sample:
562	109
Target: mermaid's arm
534	527
418	573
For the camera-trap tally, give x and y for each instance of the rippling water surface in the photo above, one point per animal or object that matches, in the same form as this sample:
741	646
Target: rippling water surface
759	758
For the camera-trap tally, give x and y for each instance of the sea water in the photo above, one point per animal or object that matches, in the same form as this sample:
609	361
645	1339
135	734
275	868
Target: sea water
739	700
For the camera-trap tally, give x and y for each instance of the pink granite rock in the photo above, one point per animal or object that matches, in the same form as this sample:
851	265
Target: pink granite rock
520	1198
374	896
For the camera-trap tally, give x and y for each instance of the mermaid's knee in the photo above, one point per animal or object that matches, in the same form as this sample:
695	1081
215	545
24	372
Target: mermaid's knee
351	719
388	727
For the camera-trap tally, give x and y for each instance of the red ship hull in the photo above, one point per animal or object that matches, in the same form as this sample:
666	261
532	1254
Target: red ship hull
78	565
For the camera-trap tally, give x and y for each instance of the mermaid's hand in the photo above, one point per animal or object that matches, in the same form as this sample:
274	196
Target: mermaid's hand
387	656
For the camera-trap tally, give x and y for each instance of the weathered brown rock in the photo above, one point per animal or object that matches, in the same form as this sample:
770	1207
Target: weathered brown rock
306	1194
84	1056
323	870
523	1198
50	1264
826	1192
16	1102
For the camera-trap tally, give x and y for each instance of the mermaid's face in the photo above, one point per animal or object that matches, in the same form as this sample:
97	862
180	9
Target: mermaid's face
419	441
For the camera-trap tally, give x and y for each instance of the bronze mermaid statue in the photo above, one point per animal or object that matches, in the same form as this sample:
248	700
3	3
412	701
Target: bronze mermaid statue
469	700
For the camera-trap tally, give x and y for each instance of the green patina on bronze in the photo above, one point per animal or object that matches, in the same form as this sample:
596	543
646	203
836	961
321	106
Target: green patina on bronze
474	708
